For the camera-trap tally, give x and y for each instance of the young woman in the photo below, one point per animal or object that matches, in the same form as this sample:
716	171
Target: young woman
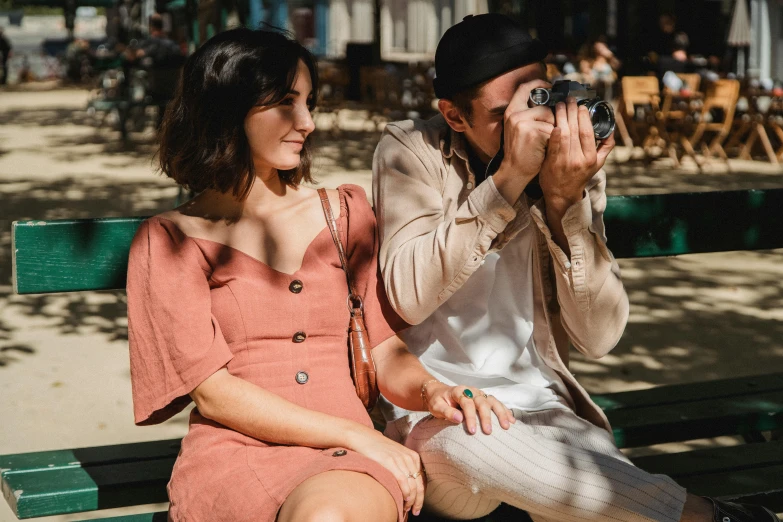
237	301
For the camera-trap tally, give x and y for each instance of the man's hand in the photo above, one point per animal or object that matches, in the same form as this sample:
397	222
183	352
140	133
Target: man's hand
526	133
572	158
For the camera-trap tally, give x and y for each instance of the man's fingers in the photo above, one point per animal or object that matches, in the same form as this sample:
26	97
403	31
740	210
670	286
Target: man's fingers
541	113
587	136
573	128
538	113
519	102
561	119
555	143
604	149
543	128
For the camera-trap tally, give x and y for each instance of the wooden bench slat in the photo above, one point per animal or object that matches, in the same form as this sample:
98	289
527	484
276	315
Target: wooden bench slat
689	223
71	255
68	481
679	412
84	457
692	391
72	490
714	460
696	420
741	486
91	254
747	473
160	516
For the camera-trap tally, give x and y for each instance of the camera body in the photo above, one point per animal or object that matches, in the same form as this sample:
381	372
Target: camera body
601	112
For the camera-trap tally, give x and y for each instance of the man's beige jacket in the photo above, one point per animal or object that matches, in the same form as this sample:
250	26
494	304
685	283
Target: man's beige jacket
436	226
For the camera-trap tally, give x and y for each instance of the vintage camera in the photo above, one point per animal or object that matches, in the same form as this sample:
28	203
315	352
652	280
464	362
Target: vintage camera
601	112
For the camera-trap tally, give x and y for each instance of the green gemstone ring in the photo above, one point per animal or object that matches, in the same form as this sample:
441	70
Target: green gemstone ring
467	393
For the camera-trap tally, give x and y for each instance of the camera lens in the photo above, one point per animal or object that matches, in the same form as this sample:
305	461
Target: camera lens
602	116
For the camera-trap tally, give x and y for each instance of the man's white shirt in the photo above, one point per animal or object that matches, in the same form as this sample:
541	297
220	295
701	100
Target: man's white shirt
482	336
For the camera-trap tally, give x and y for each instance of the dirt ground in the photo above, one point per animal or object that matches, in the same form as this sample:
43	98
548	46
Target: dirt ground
64	378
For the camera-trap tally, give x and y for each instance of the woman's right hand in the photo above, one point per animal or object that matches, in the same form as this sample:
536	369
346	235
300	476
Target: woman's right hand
402	462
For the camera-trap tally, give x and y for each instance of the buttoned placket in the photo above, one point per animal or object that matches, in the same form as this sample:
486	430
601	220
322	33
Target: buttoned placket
296	287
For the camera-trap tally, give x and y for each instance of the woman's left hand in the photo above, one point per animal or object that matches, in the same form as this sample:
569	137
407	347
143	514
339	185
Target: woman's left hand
453	404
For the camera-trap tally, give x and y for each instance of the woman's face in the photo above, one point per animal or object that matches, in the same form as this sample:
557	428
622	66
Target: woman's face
276	133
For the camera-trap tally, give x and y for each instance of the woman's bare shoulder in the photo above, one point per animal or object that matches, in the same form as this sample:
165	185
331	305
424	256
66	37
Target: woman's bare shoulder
198	217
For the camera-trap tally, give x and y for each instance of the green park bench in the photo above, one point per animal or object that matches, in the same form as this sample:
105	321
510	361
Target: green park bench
91	254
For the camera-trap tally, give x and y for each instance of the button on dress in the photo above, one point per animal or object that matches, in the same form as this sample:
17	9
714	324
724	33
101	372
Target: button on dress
196	306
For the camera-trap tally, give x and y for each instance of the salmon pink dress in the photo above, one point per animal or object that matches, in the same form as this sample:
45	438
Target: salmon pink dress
195	306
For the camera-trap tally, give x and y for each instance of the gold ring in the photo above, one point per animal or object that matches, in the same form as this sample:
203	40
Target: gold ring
484	395
414	475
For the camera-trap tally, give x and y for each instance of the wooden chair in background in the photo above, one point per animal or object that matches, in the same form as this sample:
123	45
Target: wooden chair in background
691	81
763	114
679	111
721	96
639	104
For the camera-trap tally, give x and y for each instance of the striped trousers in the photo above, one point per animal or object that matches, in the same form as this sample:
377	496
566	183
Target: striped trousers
552	464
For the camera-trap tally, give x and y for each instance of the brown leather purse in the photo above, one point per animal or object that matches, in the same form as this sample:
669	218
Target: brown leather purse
359	351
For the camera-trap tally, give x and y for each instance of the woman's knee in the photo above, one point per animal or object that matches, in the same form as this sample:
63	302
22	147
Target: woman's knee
336	510
317	511
338	496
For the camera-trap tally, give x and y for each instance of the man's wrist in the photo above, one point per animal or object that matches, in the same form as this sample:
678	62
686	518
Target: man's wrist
559	204
510	183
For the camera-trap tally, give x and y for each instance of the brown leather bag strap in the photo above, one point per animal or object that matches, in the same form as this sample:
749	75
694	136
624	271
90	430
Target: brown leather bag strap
339	244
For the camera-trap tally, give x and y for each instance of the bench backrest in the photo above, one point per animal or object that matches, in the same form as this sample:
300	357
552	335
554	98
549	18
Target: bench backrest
92	254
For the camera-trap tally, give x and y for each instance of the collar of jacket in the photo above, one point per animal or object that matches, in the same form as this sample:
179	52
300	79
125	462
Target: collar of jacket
453	142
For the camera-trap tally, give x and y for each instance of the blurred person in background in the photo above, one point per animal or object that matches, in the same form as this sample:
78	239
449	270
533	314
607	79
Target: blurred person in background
605	66
158	47
162	57
5	54
664	39
678	61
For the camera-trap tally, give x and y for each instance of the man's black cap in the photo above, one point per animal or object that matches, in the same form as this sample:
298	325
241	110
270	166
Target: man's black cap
479	48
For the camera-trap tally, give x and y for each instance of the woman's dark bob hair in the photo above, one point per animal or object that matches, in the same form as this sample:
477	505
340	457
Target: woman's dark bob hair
202	142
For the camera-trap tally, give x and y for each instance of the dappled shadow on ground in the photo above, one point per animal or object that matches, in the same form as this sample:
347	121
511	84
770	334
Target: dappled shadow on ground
637	176
695	318
47	117
89	136
87	197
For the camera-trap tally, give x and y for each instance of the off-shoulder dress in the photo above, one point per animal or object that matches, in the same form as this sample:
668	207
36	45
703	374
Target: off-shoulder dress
195	306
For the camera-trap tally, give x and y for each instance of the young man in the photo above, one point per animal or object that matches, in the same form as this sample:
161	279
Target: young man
500	265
